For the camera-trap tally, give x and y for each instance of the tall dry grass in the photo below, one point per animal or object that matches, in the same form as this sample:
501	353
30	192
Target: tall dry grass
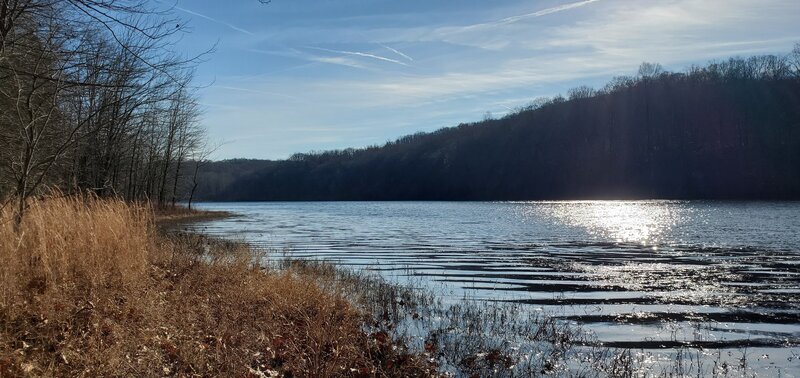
90	288
72	244
68	265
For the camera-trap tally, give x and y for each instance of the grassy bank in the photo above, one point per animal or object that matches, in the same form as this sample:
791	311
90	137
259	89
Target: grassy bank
91	288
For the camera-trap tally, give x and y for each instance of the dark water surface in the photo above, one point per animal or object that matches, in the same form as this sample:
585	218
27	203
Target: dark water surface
639	274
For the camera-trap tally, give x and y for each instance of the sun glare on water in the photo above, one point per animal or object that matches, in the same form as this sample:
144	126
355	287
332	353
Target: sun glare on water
640	222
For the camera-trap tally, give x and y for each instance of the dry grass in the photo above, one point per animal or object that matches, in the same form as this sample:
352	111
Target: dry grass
89	288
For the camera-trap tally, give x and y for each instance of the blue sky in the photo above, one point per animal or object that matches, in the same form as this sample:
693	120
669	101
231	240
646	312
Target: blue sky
302	75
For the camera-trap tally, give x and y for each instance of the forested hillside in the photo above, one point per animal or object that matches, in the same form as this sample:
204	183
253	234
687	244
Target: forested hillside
730	129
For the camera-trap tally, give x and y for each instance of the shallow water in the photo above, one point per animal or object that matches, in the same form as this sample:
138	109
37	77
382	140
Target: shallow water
639	274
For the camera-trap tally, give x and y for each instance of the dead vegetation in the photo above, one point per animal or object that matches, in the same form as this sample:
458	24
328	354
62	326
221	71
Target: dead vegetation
90	289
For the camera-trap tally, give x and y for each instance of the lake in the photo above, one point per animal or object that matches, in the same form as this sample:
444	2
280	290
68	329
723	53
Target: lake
638	274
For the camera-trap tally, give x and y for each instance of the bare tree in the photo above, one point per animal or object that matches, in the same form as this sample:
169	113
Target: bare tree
92	85
582	91
794	58
200	159
32	134
649	70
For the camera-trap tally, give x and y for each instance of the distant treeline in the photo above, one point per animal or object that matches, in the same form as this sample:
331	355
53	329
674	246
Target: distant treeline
728	130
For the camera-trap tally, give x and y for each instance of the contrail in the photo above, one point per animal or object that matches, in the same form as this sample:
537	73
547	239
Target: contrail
547	11
338	60
513	19
356	53
294	53
234	27
396	52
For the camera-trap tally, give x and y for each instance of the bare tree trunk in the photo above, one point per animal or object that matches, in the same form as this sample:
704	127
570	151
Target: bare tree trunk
175	181
163	181
21	202
191	193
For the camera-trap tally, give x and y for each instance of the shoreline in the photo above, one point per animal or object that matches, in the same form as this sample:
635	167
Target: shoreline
110	294
166	218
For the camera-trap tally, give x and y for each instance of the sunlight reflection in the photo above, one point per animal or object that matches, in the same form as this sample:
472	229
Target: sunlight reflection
643	222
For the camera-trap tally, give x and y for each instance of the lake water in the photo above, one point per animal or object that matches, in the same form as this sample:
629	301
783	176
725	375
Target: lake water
639	274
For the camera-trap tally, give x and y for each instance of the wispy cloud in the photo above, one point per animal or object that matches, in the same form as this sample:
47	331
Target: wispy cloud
544	12
311	58
517	18
503	33
396	52
683	30
519	74
337	60
212	19
361	54
250	90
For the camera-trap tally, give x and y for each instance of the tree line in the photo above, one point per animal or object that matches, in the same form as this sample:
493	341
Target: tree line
726	130
94	99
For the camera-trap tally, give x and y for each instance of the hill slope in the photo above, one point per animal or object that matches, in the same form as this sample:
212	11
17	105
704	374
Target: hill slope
728	130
